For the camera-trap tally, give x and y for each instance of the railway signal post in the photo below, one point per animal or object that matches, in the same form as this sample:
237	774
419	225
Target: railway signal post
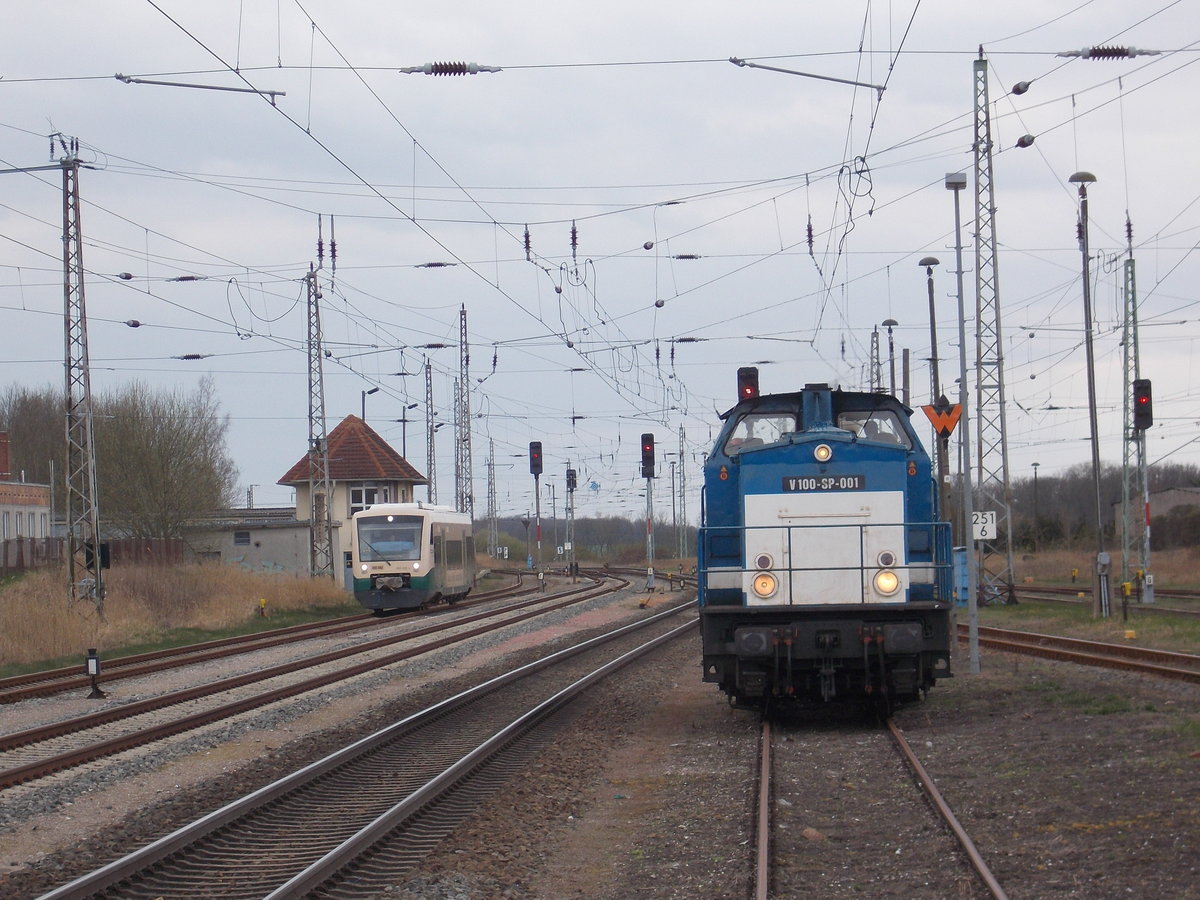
535	469
648	474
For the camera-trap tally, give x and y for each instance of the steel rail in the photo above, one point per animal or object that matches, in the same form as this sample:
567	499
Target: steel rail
51	681
40	768
947	814
328	865
1161	663
120	869
762	868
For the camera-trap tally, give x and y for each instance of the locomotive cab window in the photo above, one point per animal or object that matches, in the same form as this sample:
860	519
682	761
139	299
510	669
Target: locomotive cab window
880	425
757	430
384	538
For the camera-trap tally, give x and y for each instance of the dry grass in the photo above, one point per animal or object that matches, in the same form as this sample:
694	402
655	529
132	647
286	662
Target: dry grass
1179	568
142	604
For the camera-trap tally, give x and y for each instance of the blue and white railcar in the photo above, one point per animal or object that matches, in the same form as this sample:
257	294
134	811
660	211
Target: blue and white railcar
824	570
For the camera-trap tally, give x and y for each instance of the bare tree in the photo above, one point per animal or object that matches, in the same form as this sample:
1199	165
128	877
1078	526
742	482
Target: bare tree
160	455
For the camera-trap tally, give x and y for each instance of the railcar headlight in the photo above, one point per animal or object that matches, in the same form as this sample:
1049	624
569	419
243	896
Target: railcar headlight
765	584
763	561
822	453
363	566
887	582
416	566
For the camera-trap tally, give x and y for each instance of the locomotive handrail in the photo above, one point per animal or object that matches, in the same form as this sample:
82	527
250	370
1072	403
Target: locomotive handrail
939	565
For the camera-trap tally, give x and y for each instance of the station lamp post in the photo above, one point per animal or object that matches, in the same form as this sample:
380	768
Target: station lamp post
1100	599
956	181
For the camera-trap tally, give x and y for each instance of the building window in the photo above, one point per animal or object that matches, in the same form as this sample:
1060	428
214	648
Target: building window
364	496
241	539
5	535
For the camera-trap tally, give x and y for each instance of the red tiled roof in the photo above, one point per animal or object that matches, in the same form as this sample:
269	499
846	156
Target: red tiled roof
358	453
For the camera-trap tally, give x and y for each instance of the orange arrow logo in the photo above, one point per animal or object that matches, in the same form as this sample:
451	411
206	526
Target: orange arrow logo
943	420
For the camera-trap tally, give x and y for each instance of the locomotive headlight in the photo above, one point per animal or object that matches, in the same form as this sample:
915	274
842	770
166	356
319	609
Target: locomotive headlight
416	566
763	561
822	453
887	582
363	566
765	584
886	559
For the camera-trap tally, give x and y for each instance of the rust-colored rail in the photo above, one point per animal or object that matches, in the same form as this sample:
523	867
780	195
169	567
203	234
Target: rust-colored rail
1127	657
946	813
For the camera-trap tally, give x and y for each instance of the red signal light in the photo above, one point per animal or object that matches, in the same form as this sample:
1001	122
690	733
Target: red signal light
747	380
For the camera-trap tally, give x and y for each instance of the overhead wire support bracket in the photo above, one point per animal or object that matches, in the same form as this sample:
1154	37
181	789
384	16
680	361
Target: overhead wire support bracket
751	65
270	95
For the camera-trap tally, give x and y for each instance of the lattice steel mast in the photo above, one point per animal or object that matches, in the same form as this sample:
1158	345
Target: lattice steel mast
493	543
84	562
995	491
320	519
430	431
1135	516
463	483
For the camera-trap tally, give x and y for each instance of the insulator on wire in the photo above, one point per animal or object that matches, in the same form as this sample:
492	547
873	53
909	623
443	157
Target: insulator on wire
332	246
1110	53
448	68
528	246
574	239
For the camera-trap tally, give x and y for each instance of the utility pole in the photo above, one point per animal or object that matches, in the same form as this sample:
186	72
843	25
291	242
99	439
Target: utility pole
876	367
572	566
85	558
1135	482
996	553
493	545
464	489
682	535
320	492
430	431
85	552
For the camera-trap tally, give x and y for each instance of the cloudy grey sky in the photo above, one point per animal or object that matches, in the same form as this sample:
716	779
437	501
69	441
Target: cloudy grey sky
722	215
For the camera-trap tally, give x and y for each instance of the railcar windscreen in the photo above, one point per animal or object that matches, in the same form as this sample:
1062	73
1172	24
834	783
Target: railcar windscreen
389	538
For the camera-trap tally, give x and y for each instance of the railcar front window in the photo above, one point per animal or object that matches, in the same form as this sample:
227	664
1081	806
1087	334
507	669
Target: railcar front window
389	538
757	430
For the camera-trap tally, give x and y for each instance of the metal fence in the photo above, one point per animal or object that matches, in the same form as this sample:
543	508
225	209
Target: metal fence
19	554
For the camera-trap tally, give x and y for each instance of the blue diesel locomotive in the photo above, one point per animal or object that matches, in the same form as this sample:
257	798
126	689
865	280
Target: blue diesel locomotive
824	571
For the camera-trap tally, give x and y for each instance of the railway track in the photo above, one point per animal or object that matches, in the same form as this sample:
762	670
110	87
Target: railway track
1161	663
777	838
1185	603
57	746
52	681
352	823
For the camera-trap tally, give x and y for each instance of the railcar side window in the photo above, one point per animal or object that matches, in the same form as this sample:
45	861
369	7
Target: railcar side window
382	538
880	425
758	429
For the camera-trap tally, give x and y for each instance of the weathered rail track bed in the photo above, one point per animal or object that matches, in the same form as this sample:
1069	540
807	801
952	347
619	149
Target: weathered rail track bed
1073	782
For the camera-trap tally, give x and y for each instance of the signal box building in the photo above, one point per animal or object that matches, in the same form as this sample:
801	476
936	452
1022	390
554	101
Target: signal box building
363	470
